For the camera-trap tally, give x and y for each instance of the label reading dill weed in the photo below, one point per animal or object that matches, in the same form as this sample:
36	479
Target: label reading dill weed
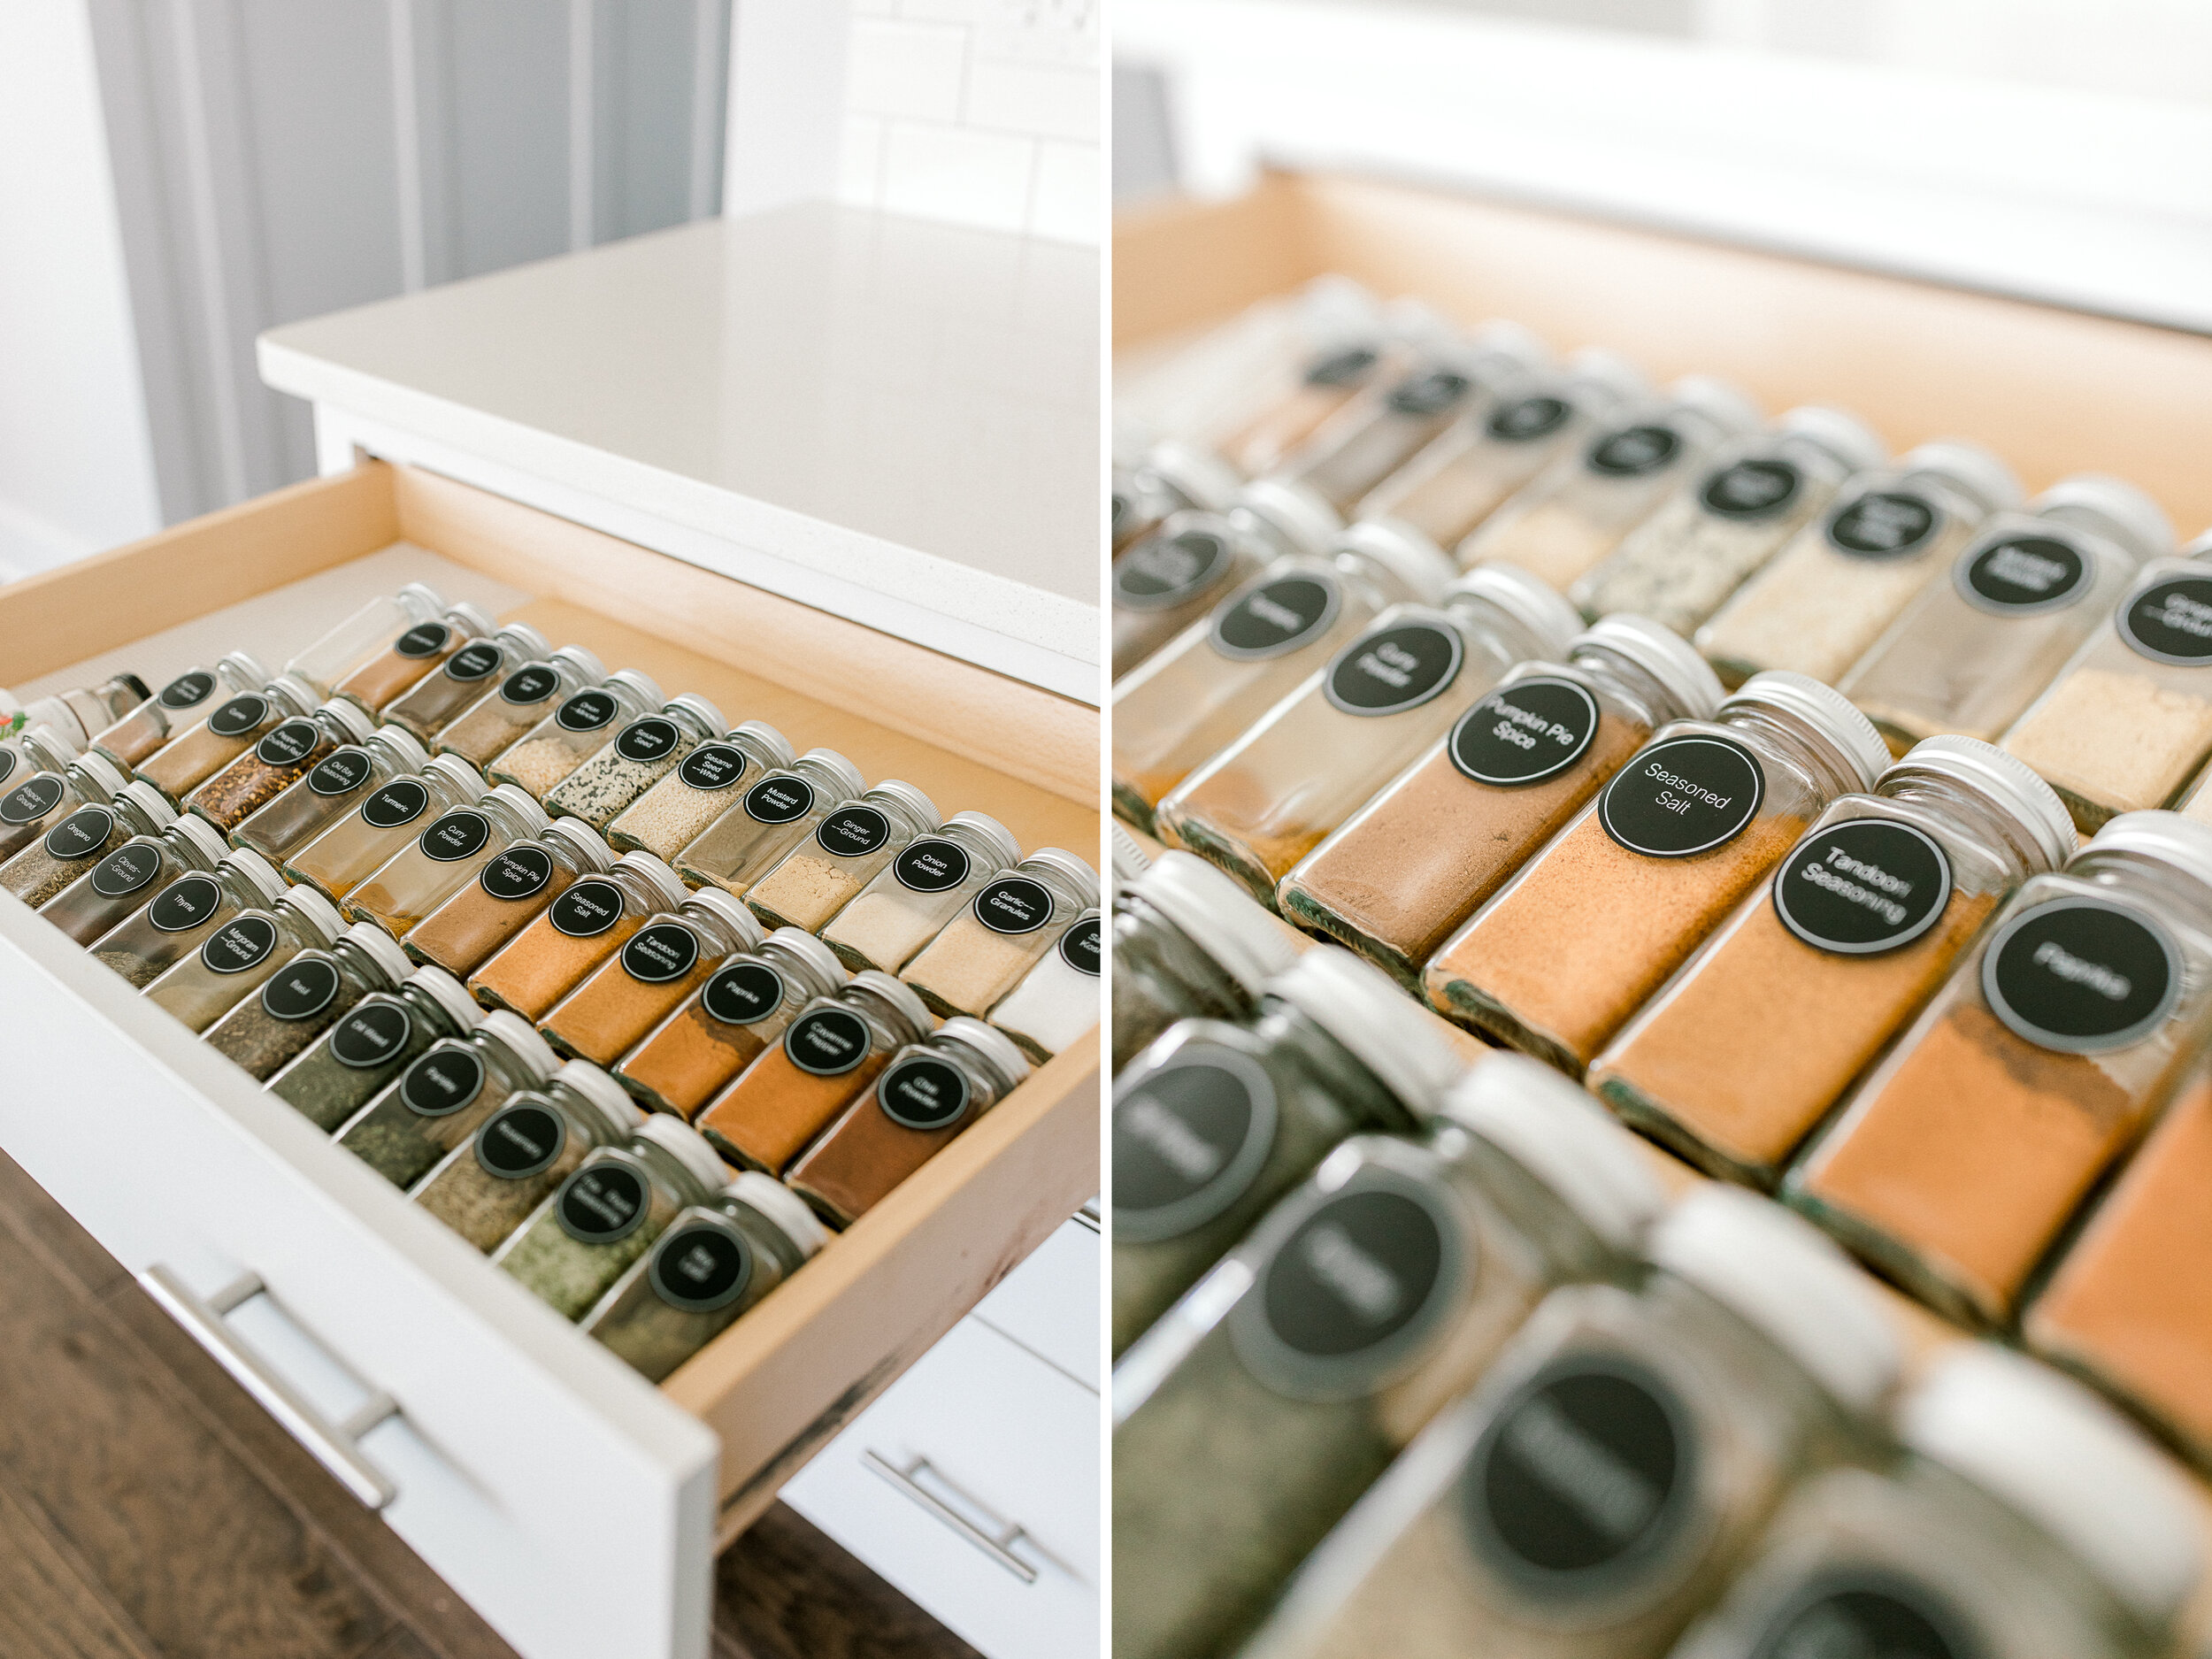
1683	796
932	865
2082	975
1188	1138
1524	733
372	1034
1273	616
1863	887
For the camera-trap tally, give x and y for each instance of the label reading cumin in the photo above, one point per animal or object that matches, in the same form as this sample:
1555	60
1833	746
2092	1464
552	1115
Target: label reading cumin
1860	889
1188	1138
1683	796
238	716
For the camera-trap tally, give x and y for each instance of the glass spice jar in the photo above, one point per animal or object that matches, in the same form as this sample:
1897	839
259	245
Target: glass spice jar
2024	1518
1969	654
767	821
910	900
444	1095
52	713
95	708
673	954
240	956
487	1188
577	931
38	751
383	1034
609	1212
1555	962
485	730
412	657
1365	1301
387	819
204	748
1396	878
744	1007
305	997
510	891
669	816
333	786
437	699
1821	602
121	884
1268	800
177	921
1680	564
445	857
1189	943
1822	965
1956	1160
984	951
716	1260
80	841
1348	357
851	845
44	798
362	635
1200	693
1057	999
929	1093
572	733
1214	1123
145	728
1601	1484
639	757
1575	512
282	756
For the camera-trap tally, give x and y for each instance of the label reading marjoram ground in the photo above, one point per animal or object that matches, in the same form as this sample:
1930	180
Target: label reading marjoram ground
648	739
1882	525
1524	733
1394	668
372	1034
701	1267
461	833
521	1141
336	774
602	1204
2082	975
244	942
1189	1136
1431	392
288	744
1683	796
1525	420
1162	572
301	989
932	865
125	870
1078	947
779	800
1752	489
531	684
520	873
238	716
659	954
185	904
2019	575
1275	616
187	690
84	830
743	994
442	1081
402	800
853	832
713	766
425	639
1859	888
587	711
1633	451
2170	621
1865	1613
477	660
33	799
587	909
1014	905
922	1092
827	1041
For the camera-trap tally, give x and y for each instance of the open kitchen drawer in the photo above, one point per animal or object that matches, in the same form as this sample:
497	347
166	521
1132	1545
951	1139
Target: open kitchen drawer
572	1503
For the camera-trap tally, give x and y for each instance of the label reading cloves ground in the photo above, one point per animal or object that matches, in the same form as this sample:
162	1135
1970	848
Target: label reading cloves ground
602	1204
922	1092
701	1267
779	800
1525	420
1752	489
532	683
301	989
187	690
244	942
238	716
402	800
1859	888
461	833
1013	905
1277	615
478	660
1078	947
1633	451
664	951
1524	733
713	766
372	1034
587	711
646	741
743	994
587	909
347	770
1162	572
33	799
1865	1613
1882	525
853	832
289	744
1189	1136
185	904
425	639
932	865
2021	575
442	1081
827	1041
1394	668
125	870
1683	796
520	873
2082	975
2170	621
521	1141
84	830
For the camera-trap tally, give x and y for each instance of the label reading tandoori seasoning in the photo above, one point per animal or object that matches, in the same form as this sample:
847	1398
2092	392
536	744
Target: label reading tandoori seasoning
1524	733
1162	572
2021	575
1859	888
2082	975
2170	621
1189	1139
1394	668
664	951
1271	617
1848	1611
1882	525
1683	796
922	1092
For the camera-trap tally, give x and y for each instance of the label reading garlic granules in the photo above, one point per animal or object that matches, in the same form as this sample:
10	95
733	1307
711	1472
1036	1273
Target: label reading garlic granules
1860	889
1688	794
1394	668
1276	617
1524	733
2082	975
1188	1141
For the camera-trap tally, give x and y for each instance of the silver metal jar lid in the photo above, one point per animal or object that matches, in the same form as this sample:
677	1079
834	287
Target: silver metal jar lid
917	806
204	837
809	952
585	662
1215	912
1402	553
1200	478
602	1094
592	850
697	708
356	725
1721	402
1374	1021
687	1146
292	689
995	1047
102	771
474	618
2180	843
1558	1134
313	909
845	777
656	871
530	645
729	910
1840	431
2117	509
2004	780
1076	872
1669	658
449	994
1968	466
1549	620
401	745
1827	710
897	994
259	871
1127	858
520	1039
783	1207
381	947
1607	373
148	800
460	773
245	667
636	681
1302	522
770	742
535	819
993	833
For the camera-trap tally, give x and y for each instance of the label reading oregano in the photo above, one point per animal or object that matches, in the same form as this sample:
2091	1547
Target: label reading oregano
187	690
244	942
402	800
1683	796
521	1141
932	865
461	833
442	1081
587	711
185	904
1275	616
826	1042
1394	668
1527	420
922	1092
1014	905
713	766
1189	1136
1882	525
479	659
340	773
701	1267
1078	947
664	951
520	873
288	744
301	989
1524	733
853	830
743	994
238	716
2021	575
1633	451
2170	621
83	831
1162	572
588	909
779	800
1865	1613
1752	489
532	683
1430	392
125	870
425	639
1859	888
33	799
372	1034
646	741
2082	975
602	1204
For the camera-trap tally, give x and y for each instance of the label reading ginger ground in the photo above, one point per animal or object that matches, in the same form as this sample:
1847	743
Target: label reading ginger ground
1683	796
2021	575
2082	975
1276	616
1189	1136
2170	621
1162	572
1859	888
1394	668
1524	733
1843	1613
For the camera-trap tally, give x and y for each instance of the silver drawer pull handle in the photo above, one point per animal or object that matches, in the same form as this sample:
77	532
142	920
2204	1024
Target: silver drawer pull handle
331	1445
998	1545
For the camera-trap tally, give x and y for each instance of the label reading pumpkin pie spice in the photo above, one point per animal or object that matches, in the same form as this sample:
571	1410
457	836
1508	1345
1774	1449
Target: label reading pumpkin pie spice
1524	733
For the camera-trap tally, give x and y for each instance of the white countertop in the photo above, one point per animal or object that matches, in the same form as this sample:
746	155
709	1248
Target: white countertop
889	419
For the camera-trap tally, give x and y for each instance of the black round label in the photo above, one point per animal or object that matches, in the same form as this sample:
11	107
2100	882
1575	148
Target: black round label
587	712
713	766
125	870
1013	904
1189	1136
602	1204
646	741
1276	615
664	951
372	1034
2170	621
1431	392
1633	451
2020	575
1859	888
2082	975
289	744
1524	733
701	1267
519	872
532	683
461	833
521	1141
185	902
1582	1478
1882	525
238	716
1525	420
442	1081
425	639
922	1092
336	774
479	659
1078	947
301	989
84	830
1394	668
827	1041
1865	1613
1340	368
779	800
243	942
1752	489
853	832
187	690
1683	796
33	799
1162	572
402	800
743	994
932	865
8	761
588	909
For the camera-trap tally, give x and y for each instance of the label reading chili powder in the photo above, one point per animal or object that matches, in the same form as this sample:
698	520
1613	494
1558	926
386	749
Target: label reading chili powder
664	951
1078	947
442	1081
1014	905
1686	794
587	909
84	830
779	800
301	990
853	832
1340	368
1752	489
713	766
1394	668
1527	418
476	661
239	944
125	870
648	739
932	866
602	1204
743	994
348	769
1882	525
701	1267
372	1034
519	872
1162	571
1524	733
1843	1614
184	904
1859	888
238	716
1430	392
425	639
2082	975
2020	575
33	799
521	1141
1633	451
459	834
827	1042
402	800
187	690
289	744
1189	1137
587	711
531	684
922	1092
1271	617
2170	621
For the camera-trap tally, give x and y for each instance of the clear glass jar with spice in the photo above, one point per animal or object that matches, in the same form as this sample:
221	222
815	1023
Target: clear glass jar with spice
503	716
1956	1160
437	699
668	816
1189	943
445	857
1269	799
35	752
752	834
851	845
1575	512
1555	962
744	1007
1343	359
1199	694
673	954
92	707
330	788
510	891
385	820
1823	963
444	1095
383	1034
241	955
1969	653
80	841
609	1212
178	919
638	757
145	728
910	900
364	634
1057	999
577	931
44	798
1395	880
546	754
1215	1123
1255	1412
523	1151
204	748
716	1262
17	718
1607	1478
305	997
412	657
283	756
1827	596
1012	921
125	881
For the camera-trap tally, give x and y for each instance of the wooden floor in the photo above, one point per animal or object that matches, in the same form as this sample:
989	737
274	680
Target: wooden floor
149	1509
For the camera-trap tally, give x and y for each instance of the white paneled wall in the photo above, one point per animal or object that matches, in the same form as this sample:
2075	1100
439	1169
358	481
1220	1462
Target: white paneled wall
983	112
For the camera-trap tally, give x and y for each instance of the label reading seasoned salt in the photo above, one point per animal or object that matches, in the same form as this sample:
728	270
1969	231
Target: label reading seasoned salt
1188	1137
1683	796
1863	887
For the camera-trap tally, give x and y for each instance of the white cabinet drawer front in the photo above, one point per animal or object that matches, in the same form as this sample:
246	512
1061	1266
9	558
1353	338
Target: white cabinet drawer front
1050	1304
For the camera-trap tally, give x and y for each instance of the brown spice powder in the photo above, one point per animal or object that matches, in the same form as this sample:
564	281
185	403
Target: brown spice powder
544	964
846	1172
461	934
387	674
679	1066
766	1118
603	1017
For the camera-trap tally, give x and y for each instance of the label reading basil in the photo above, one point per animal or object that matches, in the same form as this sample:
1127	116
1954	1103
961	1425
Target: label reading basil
1527	418
1633	451
1162	571
478	660
289	744
1687	795
587	909
1431	392
1276	616
441	1082
461	833
1752	489
238	716
184	904
646	741
519	872
372	1034
425	639
521	1141
713	766
188	690
779	800
301	989
587	712
701	1267
1340	368
347	770
1863	1613
1858	888
2021	575
402	800
827	1042
1882	525
1013	904
33	799
932	866
2170	621
1395	669
1189	1136
853	832
2082	975
664	951
531	684
125	870
84	830
1078	947
237	945
743	994
922	1092
602	1204
1524	733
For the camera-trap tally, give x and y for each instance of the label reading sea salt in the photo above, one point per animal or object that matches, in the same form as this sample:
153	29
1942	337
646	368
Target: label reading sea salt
1524	733
2082	975
1863	887
1189	1136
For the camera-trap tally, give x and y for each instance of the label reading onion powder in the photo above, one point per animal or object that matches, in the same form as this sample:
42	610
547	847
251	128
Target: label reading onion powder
1276	616
2170	621
922	1092
1162	572
1859	888
1882	525
1633	451
1524	733
932	865
1189	1136
701	1267
1394	668
2021	575
1683	796
1752	489
2082	975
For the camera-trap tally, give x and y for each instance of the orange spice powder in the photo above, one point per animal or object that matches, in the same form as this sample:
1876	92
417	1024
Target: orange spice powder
543	964
770	1114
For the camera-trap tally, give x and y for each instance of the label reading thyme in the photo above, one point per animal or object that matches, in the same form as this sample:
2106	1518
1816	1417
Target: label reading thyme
2020	575
1394	668
664	951
932	866
2082	975
701	1267
922	1092
1882	525
1524	733
1189	1139
602	1204
1273	616
1687	795
827	1042
2170	621
1859	888
1162	572
185	904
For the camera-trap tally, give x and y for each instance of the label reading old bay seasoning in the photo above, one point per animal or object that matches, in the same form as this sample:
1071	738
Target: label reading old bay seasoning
1859	888
1395	668
2082	975
1276	615
1524	733
587	909
1683	796
1189	1136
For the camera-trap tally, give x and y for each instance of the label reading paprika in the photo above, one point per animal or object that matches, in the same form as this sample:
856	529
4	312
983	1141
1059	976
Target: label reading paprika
2082	975
743	994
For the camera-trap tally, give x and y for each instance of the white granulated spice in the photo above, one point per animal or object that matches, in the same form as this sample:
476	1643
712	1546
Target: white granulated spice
1680	565
1817	611
1053	1006
539	764
1552	541
669	816
2113	741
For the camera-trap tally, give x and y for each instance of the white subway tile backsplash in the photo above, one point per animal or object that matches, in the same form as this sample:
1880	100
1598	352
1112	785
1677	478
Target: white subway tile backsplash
1067	200
963	177
1026	98
899	68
